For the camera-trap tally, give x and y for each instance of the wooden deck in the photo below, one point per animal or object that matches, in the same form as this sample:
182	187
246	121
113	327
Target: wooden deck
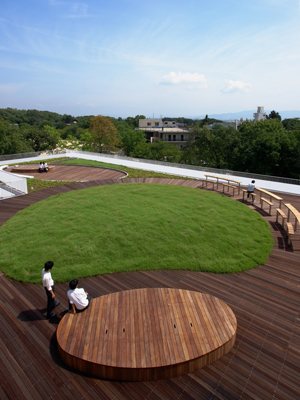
30	168
70	172
263	364
147	334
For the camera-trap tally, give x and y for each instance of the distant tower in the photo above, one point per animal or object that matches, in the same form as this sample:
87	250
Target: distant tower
260	114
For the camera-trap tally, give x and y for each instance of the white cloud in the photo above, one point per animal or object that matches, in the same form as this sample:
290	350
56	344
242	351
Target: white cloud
236	86
192	80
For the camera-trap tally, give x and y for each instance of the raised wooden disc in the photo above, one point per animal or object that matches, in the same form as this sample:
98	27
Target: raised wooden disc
29	168
147	334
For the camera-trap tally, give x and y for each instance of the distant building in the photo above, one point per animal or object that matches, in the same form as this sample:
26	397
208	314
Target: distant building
150	123
169	131
260	114
236	123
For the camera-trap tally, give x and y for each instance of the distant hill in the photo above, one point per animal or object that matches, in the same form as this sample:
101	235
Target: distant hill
249	114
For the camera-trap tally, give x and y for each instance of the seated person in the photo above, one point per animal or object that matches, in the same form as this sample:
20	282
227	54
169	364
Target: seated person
78	298
46	168
250	189
41	167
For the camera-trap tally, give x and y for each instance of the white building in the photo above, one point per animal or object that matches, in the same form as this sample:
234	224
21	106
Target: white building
169	131
260	114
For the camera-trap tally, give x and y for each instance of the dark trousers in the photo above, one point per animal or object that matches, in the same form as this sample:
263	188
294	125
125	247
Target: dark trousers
249	192
50	302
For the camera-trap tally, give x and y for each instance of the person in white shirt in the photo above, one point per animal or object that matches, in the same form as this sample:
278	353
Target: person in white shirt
46	168
48	284
41	167
250	189
79	300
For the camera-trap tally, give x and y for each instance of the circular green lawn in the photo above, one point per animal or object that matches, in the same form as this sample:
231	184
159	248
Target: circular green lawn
130	227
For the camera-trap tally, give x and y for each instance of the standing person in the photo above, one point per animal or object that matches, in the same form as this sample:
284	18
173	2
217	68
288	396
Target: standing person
48	284
41	167
250	189
78	298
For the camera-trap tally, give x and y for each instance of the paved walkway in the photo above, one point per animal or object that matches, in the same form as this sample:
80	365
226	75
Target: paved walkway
269	185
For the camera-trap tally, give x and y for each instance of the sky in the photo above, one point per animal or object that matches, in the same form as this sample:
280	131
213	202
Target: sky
156	58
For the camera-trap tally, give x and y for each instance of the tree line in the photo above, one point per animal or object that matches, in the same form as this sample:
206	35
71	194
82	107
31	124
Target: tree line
269	147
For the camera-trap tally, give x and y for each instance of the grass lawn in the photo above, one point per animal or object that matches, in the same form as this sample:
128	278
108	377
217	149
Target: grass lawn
130	227
39	184
132	172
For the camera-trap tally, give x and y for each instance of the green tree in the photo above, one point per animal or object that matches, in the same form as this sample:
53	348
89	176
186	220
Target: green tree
267	148
274	115
31	117
142	150
86	139
291	124
60	125
41	139
134	122
84	122
217	147
158	150
12	140
72	130
129	137
67	119
207	121
164	151
104	135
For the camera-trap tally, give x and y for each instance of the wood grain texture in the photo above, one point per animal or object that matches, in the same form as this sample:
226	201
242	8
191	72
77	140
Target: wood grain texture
147	334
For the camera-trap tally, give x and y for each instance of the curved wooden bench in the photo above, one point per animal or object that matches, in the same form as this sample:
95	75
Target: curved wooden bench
238	183
282	214
228	187
251	194
289	231
271	195
295	212
206	181
262	200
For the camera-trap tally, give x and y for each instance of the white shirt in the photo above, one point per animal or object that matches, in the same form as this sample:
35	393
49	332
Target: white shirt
47	279
251	187
78	298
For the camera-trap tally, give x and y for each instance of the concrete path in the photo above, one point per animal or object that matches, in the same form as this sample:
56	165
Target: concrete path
268	185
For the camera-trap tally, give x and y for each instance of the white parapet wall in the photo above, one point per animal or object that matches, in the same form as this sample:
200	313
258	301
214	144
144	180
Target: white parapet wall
12	181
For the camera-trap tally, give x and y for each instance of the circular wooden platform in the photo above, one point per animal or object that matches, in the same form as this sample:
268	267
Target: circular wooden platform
147	334
78	173
22	169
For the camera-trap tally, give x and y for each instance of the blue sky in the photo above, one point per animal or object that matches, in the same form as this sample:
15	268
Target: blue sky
169	58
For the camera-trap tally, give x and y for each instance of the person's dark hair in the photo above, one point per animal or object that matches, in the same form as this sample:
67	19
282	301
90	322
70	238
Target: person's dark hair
253	181
73	284
49	265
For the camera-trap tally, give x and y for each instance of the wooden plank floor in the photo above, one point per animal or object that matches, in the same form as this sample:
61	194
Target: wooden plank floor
263	364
